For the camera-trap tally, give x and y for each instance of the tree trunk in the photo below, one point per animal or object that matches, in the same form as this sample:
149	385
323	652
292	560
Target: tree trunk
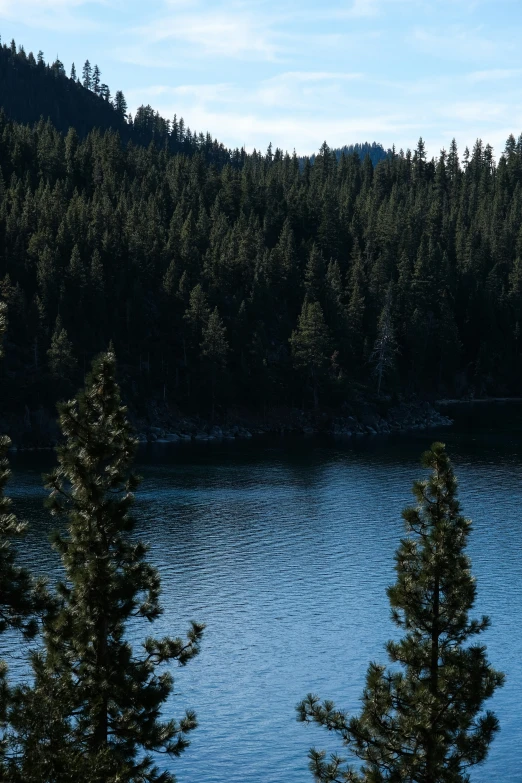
213	395
101	727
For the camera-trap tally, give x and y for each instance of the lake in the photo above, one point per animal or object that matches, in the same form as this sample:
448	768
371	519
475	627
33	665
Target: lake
284	548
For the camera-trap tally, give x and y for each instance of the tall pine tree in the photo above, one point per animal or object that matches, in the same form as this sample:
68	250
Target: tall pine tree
311	344
99	700
421	720
214	347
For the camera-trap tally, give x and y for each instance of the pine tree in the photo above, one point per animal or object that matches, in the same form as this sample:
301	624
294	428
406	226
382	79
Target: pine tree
120	104
356	309
314	275
197	313
60	357
310	344
87	75
100	701
73	72
214	348
96	79
385	347
423	724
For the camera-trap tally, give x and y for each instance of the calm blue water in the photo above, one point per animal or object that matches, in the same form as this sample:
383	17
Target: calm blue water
285	548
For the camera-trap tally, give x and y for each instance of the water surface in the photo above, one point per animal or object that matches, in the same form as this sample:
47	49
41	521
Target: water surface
284	549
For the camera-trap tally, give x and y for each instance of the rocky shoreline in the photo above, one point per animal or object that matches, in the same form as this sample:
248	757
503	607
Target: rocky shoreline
404	417
161	424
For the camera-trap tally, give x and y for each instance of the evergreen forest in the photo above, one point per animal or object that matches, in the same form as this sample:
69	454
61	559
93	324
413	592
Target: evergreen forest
227	278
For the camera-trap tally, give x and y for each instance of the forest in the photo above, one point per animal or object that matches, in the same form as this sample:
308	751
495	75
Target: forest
225	278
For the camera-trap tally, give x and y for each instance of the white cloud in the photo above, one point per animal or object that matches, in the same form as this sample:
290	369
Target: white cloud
493	75
59	15
474	111
459	43
8	7
293	90
225	34
363	8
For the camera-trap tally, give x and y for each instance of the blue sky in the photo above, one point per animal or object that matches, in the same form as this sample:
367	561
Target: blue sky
298	73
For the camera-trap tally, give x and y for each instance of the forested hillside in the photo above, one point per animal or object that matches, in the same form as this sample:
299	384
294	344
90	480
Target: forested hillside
257	281
31	89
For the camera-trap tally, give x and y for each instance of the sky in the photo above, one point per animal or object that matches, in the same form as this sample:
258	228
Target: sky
298	73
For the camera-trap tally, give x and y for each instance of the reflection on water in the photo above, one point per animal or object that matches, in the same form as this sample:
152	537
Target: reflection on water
284	548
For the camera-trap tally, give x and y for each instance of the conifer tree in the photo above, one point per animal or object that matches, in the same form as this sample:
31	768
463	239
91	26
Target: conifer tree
96	79
424	723
314	275
196	317
87	75
310	344
356	309
120	104
99	699
60	357
385	347
214	349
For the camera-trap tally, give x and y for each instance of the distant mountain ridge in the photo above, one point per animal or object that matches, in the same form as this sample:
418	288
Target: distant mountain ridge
375	151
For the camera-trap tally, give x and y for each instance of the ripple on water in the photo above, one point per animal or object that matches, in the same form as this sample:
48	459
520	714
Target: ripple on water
285	552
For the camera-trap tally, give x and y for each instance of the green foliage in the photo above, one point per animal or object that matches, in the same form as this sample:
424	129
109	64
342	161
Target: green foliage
385	347
99	700
60	358
214	345
311	344
141	241
214	349
421	720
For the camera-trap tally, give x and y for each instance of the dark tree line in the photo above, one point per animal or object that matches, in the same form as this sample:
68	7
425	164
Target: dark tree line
101	240
225	278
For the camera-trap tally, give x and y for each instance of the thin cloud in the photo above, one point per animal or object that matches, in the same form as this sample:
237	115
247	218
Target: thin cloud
292	90
493	75
363	8
459	43
475	111
57	15
228	35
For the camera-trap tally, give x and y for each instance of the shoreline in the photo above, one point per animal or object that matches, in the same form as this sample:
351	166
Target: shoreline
477	401
404	417
163	425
